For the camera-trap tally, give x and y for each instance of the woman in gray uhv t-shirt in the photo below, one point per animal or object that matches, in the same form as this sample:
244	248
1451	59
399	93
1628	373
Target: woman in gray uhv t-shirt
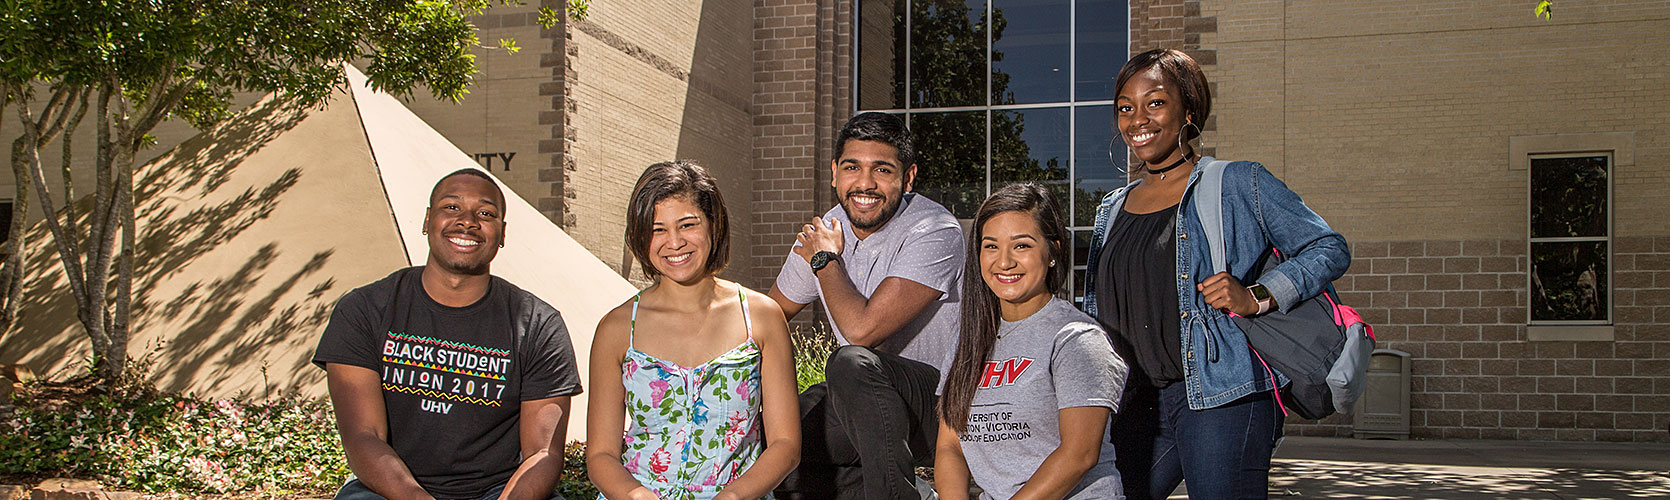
1025	409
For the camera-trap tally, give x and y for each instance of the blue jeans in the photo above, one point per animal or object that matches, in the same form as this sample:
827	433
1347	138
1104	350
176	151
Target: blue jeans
355	490
1224	452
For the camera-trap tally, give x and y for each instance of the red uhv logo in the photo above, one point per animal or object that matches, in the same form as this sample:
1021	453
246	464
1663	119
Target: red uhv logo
1003	373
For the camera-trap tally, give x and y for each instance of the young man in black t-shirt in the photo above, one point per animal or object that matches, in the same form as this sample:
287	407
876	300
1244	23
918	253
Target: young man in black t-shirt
449	382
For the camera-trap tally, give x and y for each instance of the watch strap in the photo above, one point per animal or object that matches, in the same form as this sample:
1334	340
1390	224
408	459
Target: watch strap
822	259
1262	297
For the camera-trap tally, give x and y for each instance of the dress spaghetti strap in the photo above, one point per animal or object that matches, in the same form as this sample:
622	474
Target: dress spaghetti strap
632	325
747	319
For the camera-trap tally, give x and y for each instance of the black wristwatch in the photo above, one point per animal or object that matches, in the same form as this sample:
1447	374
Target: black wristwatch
822	259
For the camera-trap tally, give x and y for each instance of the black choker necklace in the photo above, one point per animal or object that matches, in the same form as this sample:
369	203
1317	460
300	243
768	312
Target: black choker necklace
1173	165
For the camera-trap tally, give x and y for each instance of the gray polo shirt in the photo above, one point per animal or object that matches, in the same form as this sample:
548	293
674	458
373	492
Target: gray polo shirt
923	243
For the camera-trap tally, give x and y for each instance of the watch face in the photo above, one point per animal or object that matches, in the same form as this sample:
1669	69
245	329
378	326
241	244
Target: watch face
820	259
1259	292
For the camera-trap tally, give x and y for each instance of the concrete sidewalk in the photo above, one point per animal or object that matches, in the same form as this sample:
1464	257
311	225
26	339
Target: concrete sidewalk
1349	468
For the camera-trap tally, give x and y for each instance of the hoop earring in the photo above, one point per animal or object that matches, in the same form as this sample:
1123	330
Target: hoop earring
1199	134
1115	141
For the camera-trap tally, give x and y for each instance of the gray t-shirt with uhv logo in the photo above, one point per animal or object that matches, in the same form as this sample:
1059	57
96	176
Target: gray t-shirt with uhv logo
1057	358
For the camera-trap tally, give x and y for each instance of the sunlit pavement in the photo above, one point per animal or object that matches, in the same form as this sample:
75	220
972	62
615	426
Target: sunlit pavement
1349	468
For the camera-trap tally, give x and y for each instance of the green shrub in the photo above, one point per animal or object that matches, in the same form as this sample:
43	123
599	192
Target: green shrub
162	443
811	352
575	485
150	442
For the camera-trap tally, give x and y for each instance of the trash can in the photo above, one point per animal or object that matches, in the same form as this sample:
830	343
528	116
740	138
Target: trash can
1383	411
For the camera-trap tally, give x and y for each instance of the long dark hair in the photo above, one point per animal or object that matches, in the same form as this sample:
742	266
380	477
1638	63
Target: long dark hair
980	306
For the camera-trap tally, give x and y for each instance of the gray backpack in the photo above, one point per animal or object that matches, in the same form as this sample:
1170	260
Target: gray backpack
1320	345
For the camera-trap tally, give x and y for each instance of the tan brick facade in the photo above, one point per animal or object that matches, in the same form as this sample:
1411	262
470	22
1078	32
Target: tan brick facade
1394	122
1459	308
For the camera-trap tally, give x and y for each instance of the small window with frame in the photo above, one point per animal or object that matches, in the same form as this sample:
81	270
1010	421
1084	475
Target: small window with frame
1571	239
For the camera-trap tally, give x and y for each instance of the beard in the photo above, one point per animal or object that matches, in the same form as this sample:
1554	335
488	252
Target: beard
467	267
889	208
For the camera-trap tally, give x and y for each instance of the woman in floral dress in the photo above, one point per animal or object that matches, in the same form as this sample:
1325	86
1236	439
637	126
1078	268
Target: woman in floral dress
692	380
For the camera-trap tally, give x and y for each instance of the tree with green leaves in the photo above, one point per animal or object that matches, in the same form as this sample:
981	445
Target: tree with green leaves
135	63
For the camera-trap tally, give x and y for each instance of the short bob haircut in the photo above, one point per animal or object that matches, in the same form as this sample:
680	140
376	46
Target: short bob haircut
1181	70
671	179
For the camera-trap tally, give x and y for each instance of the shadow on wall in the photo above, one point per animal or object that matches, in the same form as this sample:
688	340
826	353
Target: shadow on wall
716	127
179	221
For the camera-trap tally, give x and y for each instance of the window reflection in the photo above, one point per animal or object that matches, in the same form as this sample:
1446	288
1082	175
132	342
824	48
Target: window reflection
1030	51
1100	40
1095	171
1568	197
1034	95
951	159
1569	281
948	50
1031	145
1570	239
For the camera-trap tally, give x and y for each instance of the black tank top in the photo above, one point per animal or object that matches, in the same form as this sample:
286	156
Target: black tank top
1136	292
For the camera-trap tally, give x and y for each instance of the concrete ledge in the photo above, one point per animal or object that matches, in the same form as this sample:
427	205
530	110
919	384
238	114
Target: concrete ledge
1548	333
1620	144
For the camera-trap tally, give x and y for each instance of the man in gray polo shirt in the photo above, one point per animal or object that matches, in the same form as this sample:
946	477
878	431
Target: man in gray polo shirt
886	263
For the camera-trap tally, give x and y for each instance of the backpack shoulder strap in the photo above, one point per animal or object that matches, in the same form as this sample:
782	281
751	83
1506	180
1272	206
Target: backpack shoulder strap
1208	202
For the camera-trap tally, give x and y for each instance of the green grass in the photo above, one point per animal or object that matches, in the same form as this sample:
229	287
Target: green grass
811	352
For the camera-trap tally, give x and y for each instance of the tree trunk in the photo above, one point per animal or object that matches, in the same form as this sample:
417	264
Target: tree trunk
11	271
110	353
88	293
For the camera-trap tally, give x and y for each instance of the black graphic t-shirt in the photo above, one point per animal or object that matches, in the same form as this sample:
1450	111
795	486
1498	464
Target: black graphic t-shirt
453	377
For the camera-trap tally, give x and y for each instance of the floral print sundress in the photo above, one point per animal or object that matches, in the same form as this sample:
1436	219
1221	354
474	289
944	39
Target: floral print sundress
691	430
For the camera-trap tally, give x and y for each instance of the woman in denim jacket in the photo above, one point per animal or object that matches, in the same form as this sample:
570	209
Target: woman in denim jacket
1199	402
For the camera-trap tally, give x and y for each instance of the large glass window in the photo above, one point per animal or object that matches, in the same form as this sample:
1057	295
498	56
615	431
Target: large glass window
1571	245
999	91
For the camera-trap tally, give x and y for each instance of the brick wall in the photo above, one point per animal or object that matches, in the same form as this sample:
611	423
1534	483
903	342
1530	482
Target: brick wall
1459	309
501	116
801	82
1157	24
558	117
1393	121
653	81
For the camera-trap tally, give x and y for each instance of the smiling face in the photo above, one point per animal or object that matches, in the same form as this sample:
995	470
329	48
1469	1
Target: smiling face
465	225
679	242
1151	116
870	183
1015	263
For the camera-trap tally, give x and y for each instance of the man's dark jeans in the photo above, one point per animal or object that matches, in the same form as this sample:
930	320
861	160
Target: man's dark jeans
1224	452
866	429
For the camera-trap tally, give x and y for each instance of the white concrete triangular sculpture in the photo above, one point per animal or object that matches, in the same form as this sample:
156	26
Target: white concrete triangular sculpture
248	233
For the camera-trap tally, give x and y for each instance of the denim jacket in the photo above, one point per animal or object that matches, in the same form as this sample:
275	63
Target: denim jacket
1259	212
